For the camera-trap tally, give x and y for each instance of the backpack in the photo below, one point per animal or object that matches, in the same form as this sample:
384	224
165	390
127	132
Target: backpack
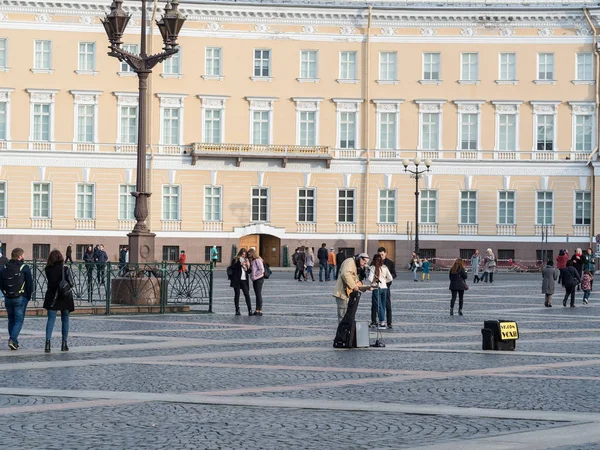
229	272
13	280
63	290
268	271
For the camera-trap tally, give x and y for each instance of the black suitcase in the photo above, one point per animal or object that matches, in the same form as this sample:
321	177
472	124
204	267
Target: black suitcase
346	331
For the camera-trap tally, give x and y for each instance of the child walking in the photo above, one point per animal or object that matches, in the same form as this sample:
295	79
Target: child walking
425	270
586	285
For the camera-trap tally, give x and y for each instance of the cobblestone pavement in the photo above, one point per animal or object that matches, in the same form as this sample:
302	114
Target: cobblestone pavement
220	381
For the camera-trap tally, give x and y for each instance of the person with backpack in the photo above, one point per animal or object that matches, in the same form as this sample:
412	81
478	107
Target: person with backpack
16	283
237	273
257	275
59	297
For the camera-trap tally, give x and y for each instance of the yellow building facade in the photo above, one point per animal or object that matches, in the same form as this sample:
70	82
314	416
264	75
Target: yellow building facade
286	124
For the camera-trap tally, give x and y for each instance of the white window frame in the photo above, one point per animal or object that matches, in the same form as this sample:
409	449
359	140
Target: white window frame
463	79
86	70
129	200
536	207
93	195
49	69
395	207
126	99
460	201
589	202
220	196
314	205
168	63
85	98
545	109
578	77
4	64
351	78
347	106
582	109
268	204
337	202
428	200
307	104
269	76
213	102
261	104
175	101
387	79
545	80
43	97
315	77
431	107
125	70
425	80
465	108
49	216
5	94
387	106
162	202
213	76
4	194
506	107
514	202
502	80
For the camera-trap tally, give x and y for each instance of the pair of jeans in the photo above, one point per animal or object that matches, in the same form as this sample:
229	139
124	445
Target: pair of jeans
379	300
64	320
337	271
586	294
323	268
330	272
569	291
15	307
245	288
414	270
461	294
388	308
309	272
257	286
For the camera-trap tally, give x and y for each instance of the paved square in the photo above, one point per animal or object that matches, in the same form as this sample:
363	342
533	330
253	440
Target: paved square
223	381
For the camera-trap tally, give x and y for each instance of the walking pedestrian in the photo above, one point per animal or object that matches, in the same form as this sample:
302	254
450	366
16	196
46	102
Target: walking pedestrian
458	285
239	281
310	262
57	299
577	259
549	276
16	284
257	274
331	263
426	266
379	276
561	262
415	263
69	253
295	262
301	264
101	258
586	285
489	266
340	257
323	257
182	268
214	255
475	263
589	264
570	280
88	260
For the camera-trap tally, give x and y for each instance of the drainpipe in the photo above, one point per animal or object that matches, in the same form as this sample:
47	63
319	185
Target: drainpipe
367	127
589	160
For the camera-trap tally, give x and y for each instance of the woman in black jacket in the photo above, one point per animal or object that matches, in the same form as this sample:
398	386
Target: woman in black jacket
570	280
458	277
55	300
239	280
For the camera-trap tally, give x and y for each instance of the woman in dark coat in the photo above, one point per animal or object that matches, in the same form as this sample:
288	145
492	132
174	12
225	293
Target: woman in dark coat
55	301
577	259
458	277
549	275
239	280
570	279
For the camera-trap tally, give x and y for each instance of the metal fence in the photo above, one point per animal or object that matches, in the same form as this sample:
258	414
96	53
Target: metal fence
109	284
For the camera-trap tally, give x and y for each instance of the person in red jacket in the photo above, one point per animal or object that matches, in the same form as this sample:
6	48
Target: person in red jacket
561	263
182	265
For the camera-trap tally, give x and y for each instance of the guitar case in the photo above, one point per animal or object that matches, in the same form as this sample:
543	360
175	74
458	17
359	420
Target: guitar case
346	331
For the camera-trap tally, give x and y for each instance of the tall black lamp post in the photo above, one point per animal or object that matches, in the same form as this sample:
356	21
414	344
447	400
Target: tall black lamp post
417	174
141	240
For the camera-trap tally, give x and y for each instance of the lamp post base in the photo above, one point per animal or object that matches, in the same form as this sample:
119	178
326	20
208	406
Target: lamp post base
141	247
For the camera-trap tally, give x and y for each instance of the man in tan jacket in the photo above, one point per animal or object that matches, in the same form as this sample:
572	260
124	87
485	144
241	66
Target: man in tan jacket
348	281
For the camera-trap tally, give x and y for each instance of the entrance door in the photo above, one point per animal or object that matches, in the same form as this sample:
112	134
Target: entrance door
252	240
390	246
269	249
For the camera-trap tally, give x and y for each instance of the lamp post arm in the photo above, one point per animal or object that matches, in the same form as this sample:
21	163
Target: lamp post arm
139	62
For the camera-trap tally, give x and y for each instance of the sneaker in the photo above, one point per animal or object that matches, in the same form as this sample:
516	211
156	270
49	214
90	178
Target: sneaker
372	325
585	302
12	345
390	326
381	326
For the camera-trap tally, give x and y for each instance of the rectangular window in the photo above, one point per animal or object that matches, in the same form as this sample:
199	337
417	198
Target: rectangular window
506	254
212	203
507	132
42	55
212	126
80	250
469	66
545	132
346	206
213	61
131	48
260	202
508	67
308	128
468	207
584	126
348	130
40	251
170	203
85	201
261	127
583	208
85	123
2	199
129	124
172	65
171	126
428	206
545	208
544	255
545	66
170	253
430	129
387	206
41	200
431	66
87	56
306	205
126	202
465	254
3	120
469	131
3	52
428	253
207	250
585	66
41	122
348	65
387	131
308	64
262	63
388	66
506	208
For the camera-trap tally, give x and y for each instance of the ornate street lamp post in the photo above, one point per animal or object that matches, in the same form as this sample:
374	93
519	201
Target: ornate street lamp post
417	174
141	240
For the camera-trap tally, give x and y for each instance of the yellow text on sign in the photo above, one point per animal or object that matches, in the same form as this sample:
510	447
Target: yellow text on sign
508	331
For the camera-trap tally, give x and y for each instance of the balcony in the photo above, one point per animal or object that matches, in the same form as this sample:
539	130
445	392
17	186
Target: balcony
170	225
387	154
430	154
543	155
546	228
580	156
3	222
347	153
128	148
39	223
506	155
506	229
468	229
171	149
212	225
284	153
85	224
428	228
126	224
345	228
387	228
581	230
85	147
468	154
306	227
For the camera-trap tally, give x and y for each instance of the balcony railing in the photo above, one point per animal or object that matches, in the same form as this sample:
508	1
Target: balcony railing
468	229
213	225
545	228
543	155
171	149
3	145
387	228
468	154
85	147
428	228
306	227
126	224
41	223
430	154
581	230
506	155
85	224
171	225
345	228
126	148
580	156
506	229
